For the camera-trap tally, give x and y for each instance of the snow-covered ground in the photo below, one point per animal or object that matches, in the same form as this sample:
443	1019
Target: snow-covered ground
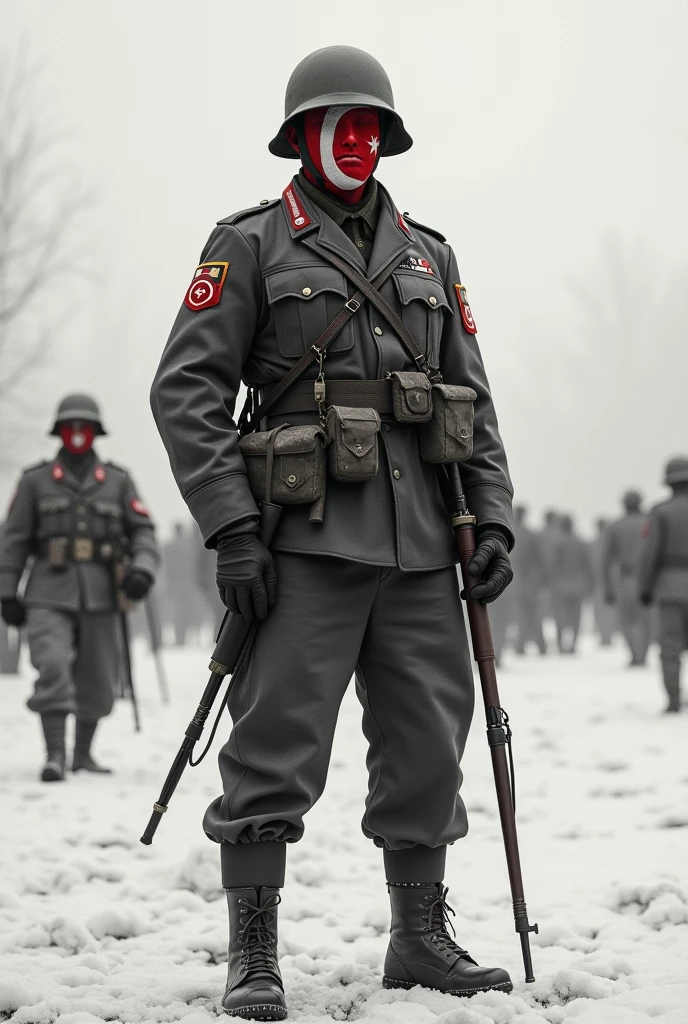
95	927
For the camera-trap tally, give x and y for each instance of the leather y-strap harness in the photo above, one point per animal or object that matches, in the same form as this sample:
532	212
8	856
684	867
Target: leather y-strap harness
366	289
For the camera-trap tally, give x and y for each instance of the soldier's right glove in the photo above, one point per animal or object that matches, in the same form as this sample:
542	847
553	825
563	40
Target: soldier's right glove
246	576
12	611
491	561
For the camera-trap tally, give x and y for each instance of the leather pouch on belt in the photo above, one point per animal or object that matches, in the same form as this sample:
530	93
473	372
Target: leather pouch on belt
448	437
286	465
411	397
353	454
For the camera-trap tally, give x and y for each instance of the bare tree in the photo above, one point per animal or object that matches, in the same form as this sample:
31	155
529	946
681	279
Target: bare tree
42	206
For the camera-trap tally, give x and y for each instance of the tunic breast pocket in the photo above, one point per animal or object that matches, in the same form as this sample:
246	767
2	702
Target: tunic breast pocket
303	301
423	309
106	519
54	517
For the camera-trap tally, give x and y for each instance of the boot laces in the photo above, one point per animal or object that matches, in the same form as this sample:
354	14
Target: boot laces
258	953
439	923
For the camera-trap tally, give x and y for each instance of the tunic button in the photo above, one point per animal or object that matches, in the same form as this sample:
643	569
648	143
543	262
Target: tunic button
306	291
378	331
81	509
81	526
396	474
387	427
264	202
291	479
432	300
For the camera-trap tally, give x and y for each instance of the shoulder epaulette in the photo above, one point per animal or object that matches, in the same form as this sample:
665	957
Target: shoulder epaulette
423	227
38	465
233	218
114	465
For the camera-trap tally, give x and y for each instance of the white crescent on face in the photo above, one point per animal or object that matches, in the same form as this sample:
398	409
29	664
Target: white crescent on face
332	172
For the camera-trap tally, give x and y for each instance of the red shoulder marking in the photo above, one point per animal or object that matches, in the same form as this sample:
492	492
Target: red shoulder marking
465	309
57	472
206	287
139	508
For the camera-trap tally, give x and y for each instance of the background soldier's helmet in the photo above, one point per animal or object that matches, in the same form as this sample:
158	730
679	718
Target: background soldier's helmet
676	471
341	75
77	407
632	501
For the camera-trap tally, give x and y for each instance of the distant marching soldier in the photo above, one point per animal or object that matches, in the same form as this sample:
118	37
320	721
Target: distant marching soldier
529	577
604	613
76	517
621	561
663	576
572	582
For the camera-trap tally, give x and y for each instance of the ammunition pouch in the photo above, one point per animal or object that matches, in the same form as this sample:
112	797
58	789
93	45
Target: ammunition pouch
286	465
353	455
411	397
448	436
59	552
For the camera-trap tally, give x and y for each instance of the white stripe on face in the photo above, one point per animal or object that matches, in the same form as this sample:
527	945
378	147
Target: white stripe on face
332	172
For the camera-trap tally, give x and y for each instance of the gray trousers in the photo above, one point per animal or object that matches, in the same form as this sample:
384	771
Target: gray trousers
673	641
634	618
77	655
403	635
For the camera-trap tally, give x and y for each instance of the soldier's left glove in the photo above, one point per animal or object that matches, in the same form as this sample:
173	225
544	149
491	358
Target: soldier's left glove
136	584
491	561
12	611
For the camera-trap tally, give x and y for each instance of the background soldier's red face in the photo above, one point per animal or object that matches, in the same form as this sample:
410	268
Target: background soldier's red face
77	436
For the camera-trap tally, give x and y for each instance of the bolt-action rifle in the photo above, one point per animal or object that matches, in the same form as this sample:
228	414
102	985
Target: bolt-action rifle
233	644
498	729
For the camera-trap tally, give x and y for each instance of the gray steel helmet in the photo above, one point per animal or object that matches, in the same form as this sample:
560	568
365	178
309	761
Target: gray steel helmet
676	471
632	500
77	407
340	75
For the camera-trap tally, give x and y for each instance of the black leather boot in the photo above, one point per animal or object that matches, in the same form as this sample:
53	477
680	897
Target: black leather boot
422	952
254	983
54	733
82	759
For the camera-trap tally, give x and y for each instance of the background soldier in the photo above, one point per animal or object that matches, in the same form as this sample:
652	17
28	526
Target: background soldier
529	577
621	562
604	614
663	575
572	582
76	517
372	587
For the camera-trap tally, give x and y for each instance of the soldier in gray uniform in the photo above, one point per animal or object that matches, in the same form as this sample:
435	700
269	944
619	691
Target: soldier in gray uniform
10	643
663	576
572	582
529	577
604	613
624	543
75	517
370	589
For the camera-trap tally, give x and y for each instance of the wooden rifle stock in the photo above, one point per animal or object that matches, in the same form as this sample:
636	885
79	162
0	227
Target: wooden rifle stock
498	731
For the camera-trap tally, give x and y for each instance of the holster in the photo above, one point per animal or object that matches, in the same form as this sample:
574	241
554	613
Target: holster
448	436
286	465
353	455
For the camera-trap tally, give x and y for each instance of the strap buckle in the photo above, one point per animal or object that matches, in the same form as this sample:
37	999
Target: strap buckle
353	305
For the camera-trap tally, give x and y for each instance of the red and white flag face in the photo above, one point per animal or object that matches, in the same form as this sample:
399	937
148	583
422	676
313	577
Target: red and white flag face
206	287
343	143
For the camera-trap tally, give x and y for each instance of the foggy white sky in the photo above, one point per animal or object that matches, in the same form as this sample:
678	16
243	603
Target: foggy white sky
544	131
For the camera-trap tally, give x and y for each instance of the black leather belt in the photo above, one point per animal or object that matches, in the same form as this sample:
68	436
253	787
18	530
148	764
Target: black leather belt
62	550
357	394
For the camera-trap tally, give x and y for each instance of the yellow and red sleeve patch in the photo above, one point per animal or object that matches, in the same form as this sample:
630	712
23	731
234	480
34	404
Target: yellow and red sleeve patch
206	287
465	309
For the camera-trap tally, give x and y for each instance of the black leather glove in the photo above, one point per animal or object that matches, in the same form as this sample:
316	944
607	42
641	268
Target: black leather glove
246	576
646	599
13	611
491	561
137	583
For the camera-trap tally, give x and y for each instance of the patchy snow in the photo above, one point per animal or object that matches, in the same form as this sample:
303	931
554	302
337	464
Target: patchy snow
95	927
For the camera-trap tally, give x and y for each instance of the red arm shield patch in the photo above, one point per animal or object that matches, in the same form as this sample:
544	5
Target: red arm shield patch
140	509
465	309
206	288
